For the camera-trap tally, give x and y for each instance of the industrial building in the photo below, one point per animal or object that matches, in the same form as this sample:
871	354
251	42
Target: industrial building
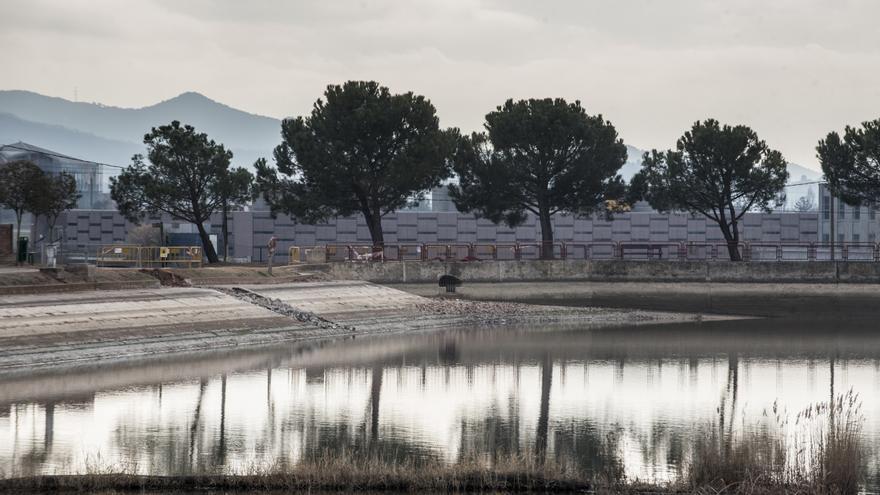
843	223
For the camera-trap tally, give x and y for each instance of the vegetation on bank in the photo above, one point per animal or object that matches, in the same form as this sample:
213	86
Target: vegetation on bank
818	452
26	188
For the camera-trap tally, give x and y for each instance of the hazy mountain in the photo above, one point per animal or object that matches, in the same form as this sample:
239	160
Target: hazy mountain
249	136
66	141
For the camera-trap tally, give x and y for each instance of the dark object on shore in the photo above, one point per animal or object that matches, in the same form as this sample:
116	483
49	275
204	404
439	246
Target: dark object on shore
449	282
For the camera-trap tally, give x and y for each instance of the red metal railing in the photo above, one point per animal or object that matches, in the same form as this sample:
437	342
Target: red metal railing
625	250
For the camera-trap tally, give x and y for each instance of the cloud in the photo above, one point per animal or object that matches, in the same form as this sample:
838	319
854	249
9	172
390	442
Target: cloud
793	69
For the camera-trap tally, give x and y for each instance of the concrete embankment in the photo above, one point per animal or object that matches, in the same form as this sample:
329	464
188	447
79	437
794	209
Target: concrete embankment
811	301
808	289
88	327
793	272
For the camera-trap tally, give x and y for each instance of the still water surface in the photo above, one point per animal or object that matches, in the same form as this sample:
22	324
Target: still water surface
642	393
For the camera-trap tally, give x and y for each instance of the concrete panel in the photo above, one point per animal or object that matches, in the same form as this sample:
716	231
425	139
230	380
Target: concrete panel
641	233
641	219
427	225
468	225
283	232
753	233
448	234
363	234
752	220
447	219
563	221
346	237
408	219
407	233
583	225
678	220
527	234
563	233
325	233
678	234
601	233
346	225
505	237
486	234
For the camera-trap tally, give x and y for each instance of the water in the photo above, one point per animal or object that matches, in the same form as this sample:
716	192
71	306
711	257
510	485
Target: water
640	395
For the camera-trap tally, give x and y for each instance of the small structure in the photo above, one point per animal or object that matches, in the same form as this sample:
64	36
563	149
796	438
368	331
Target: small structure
89	175
450	282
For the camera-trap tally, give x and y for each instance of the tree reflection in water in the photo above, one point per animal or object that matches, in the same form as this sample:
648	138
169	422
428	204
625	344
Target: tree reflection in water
627	400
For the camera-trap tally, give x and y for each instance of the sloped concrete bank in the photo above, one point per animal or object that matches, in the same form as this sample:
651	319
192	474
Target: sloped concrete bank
91	327
789	272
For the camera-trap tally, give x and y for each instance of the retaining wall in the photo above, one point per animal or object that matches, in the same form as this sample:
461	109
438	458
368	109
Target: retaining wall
815	272
251	230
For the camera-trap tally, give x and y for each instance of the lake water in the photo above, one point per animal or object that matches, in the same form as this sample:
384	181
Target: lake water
641	393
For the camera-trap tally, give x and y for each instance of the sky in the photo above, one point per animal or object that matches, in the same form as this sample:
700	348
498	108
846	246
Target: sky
793	70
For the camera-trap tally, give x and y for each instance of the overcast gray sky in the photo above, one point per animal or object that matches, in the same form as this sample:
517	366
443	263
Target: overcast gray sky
791	69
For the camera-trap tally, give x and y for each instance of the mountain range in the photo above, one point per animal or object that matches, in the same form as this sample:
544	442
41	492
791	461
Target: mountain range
111	135
106	134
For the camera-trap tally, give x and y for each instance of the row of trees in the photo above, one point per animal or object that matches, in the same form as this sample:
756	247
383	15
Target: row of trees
365	150
25	188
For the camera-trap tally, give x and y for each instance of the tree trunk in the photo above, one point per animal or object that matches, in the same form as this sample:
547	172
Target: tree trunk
546	235
732	240
543	429
225	232
210	252
374	223
16	243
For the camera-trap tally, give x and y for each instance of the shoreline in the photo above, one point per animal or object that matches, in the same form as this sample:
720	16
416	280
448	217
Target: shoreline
56	331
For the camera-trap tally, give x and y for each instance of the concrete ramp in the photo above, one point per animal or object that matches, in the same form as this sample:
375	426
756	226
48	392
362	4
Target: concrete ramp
80	326
359	304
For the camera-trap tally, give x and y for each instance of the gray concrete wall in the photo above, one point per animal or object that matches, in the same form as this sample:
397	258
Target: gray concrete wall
250	231
816	272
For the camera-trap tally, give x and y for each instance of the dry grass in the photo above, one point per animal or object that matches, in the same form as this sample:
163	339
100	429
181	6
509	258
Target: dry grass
333	473
824	455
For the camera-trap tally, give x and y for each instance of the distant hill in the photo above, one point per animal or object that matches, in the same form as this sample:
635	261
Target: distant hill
67	141
249	136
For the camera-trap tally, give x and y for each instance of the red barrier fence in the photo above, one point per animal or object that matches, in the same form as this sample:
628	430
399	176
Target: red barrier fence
628	250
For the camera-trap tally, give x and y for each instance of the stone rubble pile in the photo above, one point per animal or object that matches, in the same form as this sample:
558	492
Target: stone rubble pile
485	312
282	308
